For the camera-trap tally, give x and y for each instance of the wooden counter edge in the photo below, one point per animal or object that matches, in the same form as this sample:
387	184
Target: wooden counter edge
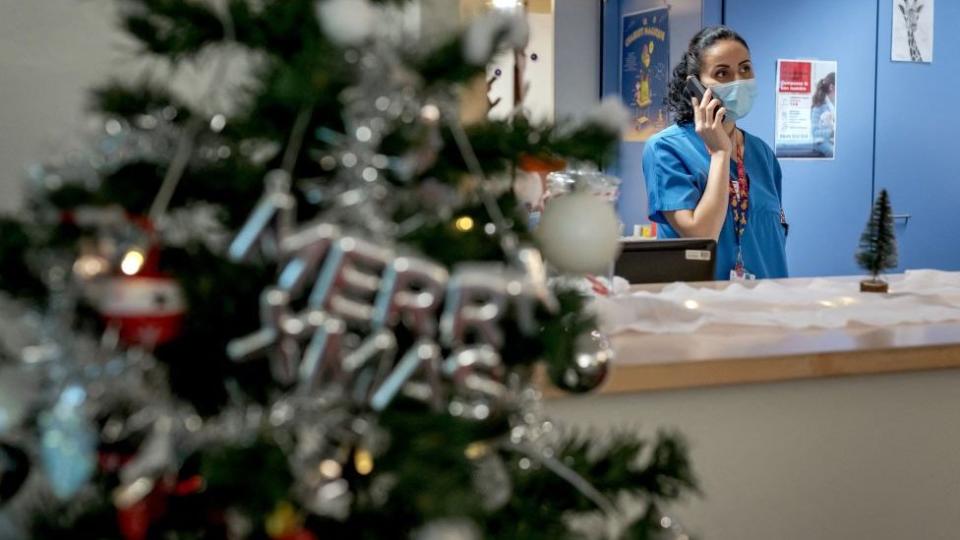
626	378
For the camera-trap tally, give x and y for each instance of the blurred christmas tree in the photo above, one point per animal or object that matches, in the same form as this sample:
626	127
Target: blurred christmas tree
331	272
878	245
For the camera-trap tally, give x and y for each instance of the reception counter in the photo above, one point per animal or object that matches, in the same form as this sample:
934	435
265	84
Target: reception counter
797	433
729	354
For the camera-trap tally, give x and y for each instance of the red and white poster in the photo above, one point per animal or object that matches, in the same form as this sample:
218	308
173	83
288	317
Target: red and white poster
806	109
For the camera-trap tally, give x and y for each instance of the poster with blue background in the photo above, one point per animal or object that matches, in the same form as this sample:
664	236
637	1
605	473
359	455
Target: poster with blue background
645	71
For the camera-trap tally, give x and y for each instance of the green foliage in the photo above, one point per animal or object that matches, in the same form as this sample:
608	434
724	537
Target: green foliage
431	474
16	276
626	464
133	186
254	477
70	196
223	303
95	516
443	242
445	65
878	244
129	101
173	28
431	477
283	90
500	144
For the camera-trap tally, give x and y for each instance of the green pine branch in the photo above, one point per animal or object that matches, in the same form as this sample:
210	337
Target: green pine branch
17	278
500	144
444	65
172	28
657	471
129	101
222	299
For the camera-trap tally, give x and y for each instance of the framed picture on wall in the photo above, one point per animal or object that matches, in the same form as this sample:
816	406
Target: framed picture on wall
645	71
806	125
912	31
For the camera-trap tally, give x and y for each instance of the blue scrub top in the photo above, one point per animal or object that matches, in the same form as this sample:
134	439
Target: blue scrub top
675	166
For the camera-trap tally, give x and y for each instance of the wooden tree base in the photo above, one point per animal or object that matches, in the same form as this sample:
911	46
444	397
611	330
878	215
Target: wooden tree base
874	286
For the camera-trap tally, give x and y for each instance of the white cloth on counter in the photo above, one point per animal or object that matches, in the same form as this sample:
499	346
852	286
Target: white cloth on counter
918	296
588	286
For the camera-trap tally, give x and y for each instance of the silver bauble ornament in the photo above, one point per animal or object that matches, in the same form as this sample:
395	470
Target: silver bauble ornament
591	363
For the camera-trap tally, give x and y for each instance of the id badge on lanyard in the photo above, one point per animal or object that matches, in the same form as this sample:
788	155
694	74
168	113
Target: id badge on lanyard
740	204
739	272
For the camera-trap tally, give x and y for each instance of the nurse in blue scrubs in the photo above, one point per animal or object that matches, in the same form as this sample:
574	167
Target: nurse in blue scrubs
707	178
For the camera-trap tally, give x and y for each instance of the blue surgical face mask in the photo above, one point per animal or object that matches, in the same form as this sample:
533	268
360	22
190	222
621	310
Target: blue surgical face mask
737	97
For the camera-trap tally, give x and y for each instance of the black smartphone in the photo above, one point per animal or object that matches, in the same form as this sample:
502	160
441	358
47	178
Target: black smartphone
695	89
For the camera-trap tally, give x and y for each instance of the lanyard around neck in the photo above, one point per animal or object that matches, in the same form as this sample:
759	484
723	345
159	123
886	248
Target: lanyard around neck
740	195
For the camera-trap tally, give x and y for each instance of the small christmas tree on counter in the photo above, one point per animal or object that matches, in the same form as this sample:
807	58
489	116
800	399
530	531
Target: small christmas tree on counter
878	245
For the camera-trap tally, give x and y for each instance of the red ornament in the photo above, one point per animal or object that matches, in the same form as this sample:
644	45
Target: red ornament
146	310
189	486
139	505
134	522
145	305
299	534
111	462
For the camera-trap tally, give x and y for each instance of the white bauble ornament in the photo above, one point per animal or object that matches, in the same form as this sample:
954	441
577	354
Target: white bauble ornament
348	23
579	234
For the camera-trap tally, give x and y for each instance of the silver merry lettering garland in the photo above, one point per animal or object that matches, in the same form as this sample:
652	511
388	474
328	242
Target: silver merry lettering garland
353	281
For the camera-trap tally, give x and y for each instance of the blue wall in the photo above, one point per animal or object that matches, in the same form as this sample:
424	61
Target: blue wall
902	146
827	202
917	148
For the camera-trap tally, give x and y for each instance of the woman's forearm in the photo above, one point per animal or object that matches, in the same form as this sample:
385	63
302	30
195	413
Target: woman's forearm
706	220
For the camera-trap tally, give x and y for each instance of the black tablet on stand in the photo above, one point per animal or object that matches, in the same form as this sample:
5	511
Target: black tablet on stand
665	261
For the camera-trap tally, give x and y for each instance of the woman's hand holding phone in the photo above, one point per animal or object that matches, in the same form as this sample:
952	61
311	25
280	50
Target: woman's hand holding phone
708	115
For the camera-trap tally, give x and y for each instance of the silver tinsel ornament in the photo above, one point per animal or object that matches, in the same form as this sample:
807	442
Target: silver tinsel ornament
490	477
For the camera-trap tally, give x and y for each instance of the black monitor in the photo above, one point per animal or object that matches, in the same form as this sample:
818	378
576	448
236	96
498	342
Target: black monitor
664	261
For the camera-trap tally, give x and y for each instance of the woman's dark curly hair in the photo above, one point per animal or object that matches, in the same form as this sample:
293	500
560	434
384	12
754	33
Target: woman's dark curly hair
677	99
